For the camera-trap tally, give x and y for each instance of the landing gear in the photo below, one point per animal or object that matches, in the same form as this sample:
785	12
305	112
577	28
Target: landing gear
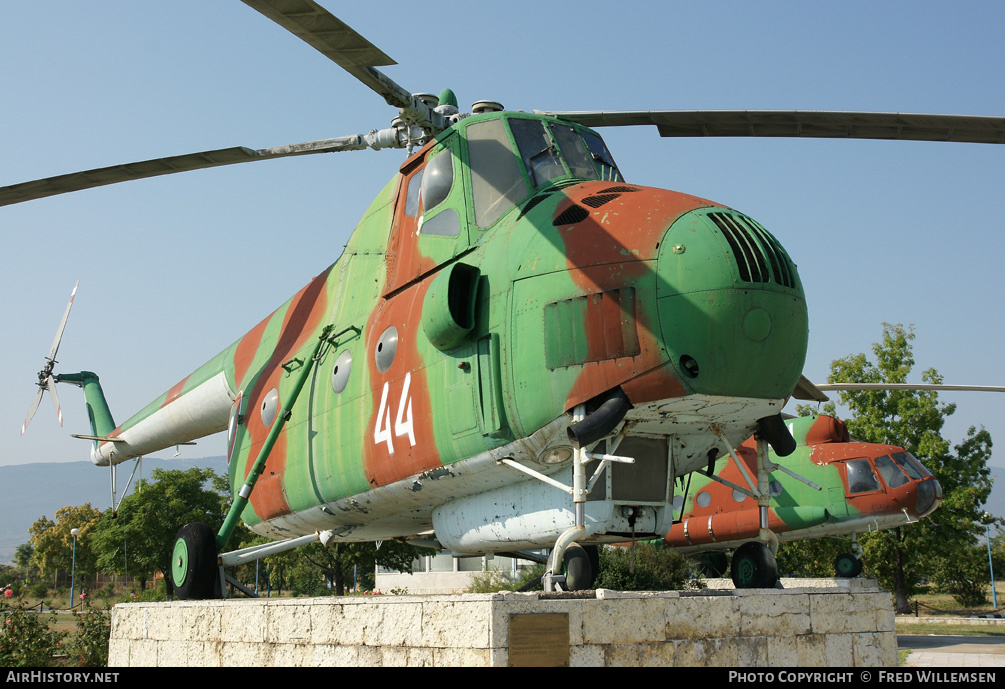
714	565
194	569
754	567
581	566
847	566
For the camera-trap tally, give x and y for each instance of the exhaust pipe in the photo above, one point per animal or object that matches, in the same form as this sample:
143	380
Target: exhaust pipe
613	407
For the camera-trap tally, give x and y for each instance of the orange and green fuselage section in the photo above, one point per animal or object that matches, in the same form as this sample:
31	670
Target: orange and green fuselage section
461	331
863	487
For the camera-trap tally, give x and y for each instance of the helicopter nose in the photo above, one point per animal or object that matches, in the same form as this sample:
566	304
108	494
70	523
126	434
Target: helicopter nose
731	306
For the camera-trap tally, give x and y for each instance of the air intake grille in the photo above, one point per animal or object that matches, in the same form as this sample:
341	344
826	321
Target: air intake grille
759	257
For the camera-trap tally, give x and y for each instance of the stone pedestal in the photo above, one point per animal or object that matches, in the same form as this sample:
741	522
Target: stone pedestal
845	624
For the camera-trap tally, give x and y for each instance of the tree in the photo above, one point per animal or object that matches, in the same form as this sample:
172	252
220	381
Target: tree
53	543
138	540
913	419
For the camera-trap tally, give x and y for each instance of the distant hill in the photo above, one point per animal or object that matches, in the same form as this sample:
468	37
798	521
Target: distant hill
31	491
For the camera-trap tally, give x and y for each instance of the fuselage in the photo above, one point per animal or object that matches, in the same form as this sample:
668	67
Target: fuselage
505	275
863	487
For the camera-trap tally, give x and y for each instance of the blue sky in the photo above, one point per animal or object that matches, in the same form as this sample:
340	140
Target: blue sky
174	269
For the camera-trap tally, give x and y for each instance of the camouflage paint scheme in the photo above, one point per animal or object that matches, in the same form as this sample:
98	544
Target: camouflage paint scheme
584	285
797	510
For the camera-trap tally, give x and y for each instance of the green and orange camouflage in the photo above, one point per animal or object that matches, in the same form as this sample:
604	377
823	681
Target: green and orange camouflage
505	275
856	488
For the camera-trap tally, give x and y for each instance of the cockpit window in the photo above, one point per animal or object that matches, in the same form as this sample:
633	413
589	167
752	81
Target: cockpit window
576	155
540	155
861	478
496	182
893	476
908	463
602	158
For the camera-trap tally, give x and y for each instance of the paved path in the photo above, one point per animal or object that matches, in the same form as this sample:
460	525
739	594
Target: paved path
953	651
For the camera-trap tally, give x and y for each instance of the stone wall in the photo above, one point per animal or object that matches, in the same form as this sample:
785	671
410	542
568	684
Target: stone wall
846	626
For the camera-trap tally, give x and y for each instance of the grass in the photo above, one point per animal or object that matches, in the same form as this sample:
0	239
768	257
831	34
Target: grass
930	604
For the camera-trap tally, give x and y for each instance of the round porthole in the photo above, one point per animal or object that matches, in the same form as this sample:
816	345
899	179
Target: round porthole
340	374
270	405
387	345
774	489
703	499
739	496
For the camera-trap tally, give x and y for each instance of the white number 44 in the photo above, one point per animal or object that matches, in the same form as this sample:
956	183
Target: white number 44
402	420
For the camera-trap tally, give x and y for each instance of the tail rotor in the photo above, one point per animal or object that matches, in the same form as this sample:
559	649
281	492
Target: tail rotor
46	379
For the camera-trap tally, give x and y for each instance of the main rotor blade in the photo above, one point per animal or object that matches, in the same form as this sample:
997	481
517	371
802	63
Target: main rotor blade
33	409
337	41
909	386
51	385
75	181
62	324
805	390
803	123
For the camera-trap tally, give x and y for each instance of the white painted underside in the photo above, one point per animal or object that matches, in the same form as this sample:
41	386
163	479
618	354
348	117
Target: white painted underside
405	508
839	527
197	413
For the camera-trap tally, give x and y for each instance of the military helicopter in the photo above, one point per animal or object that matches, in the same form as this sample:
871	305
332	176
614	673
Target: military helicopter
517	348
830	486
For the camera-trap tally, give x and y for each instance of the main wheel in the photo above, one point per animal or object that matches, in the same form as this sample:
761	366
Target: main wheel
193	562
714	565
579	572
754	567
847	566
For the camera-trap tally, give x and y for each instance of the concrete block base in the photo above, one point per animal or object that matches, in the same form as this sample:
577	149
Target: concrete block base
848	623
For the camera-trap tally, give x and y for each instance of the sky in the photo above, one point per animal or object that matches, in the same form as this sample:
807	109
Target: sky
173	269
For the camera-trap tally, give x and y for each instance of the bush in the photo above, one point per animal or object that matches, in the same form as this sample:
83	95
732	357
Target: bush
645	567
25	638
964	575
90	645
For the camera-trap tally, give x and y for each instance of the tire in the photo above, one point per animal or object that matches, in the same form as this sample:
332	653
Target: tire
579	574
847	566
714	565
754	567
194	563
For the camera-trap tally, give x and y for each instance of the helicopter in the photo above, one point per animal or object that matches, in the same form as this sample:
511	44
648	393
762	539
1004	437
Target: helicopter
829	487
506	301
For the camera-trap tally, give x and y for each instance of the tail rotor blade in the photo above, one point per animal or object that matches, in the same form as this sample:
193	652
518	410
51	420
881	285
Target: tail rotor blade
31	412
59	335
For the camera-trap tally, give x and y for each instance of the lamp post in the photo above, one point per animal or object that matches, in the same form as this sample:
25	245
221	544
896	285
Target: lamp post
994	594
73	570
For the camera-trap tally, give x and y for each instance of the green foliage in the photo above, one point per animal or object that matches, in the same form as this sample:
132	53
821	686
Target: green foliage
139	540
26	639
53	544
809	558
964	575
493	580
90	645
645	567
913	419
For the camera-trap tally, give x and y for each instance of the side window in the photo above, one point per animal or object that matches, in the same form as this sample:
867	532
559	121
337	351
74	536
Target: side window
412	197
861	478
496	181
437	179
